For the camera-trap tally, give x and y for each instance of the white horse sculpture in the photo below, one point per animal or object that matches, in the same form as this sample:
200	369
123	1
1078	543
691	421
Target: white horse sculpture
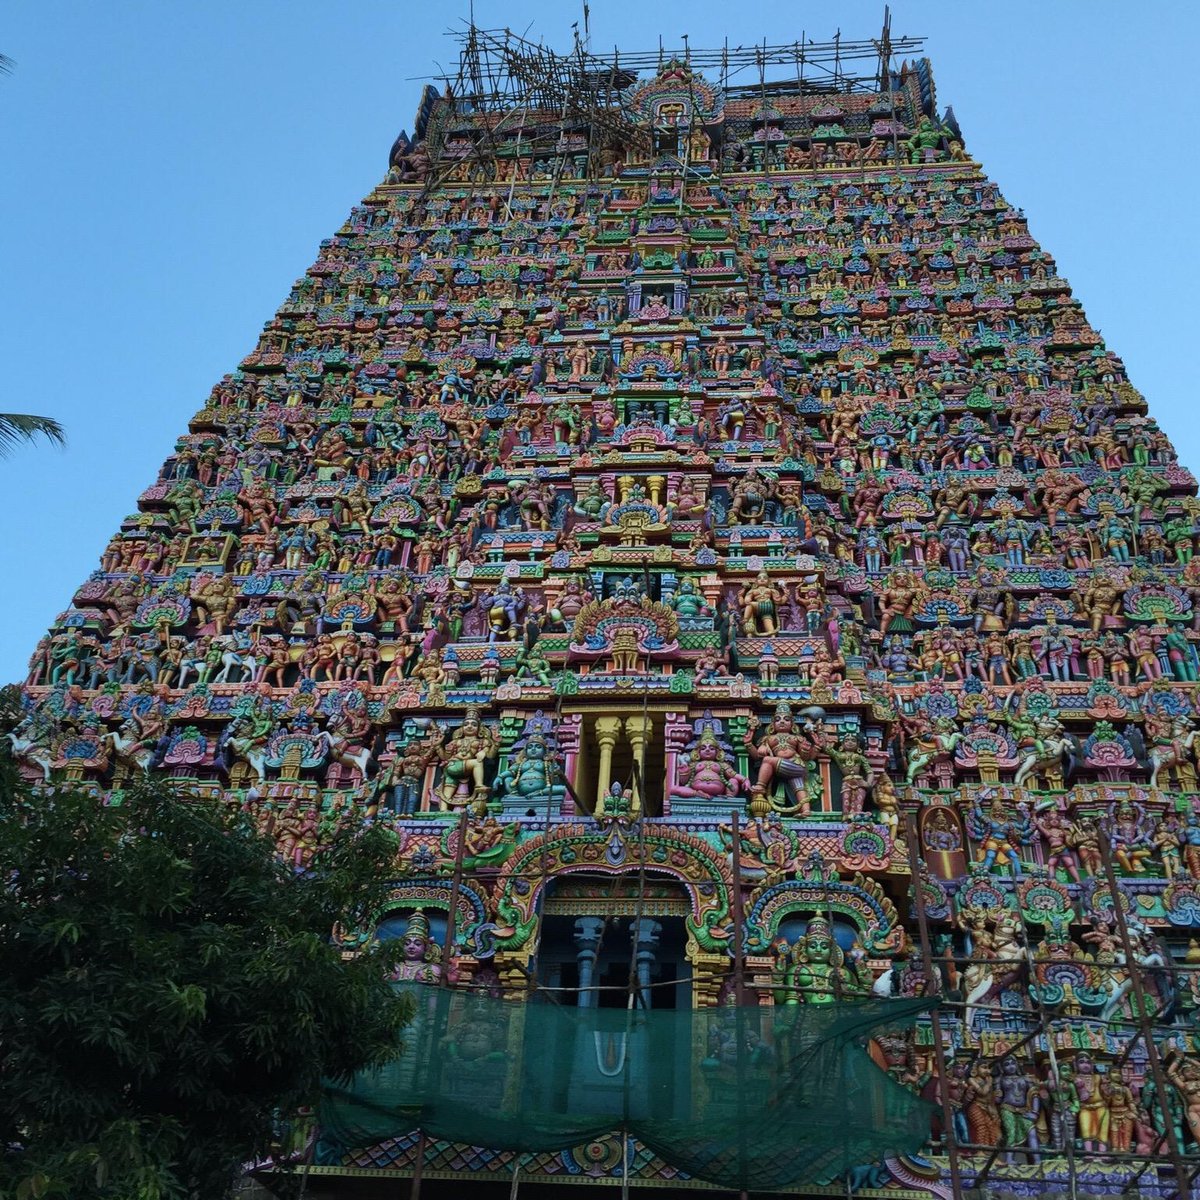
234	745
29	749
1166	755
236	655
127	748
1120	982
192	663
1056	756
341	750
1001	959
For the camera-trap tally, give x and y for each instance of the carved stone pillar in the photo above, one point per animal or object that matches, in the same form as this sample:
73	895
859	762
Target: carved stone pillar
568	737
587	942
709	971
644	934
607	731
638	730
676	733
513	970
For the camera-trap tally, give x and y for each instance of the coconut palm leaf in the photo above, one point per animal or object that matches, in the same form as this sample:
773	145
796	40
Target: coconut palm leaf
19	428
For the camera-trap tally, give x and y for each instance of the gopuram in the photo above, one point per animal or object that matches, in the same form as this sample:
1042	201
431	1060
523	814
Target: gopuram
689	508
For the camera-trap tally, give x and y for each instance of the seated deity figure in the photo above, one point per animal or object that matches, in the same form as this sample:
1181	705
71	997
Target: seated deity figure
594	504
569	603
815	969
688	603
685	503
708	773
533	776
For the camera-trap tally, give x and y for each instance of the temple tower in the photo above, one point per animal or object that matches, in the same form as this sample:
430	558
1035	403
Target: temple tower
684	510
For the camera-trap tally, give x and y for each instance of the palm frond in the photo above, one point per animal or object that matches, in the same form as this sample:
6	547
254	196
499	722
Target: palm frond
6	65
19	428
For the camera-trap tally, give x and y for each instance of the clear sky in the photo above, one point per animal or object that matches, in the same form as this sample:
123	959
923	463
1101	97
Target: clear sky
170	167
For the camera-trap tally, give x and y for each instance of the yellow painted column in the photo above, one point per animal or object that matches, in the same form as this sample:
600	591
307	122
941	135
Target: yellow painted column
637	729
608	729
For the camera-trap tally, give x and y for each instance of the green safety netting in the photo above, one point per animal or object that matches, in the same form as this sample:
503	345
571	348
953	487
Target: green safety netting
745	1097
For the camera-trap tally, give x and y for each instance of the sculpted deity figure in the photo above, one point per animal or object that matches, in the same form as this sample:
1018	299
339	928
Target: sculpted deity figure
422	959
997	833
570	601
406	771
1093	1114
815	969
245	738
1130	831
887	807
1018	1097
993	941
1122	1110
257	500
751	494
760	601
900	600
594	503
504	608
719	356
1183	1074
1101	600
533	775
464	758
980	1110
535	500
1058	834
685	503
350	733
857	773
708	772
786	752
688	603
1171	737
215	603
931	745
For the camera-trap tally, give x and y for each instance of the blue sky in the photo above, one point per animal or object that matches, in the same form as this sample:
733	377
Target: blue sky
170	168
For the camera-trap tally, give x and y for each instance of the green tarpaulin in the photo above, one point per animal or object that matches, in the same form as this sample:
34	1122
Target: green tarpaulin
746	1097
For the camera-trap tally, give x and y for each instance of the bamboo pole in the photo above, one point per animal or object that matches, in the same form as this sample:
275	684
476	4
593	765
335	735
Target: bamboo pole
1174	1150
939	1048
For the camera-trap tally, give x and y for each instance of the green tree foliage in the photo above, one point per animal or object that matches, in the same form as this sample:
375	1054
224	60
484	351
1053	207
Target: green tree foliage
16	429
168	987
